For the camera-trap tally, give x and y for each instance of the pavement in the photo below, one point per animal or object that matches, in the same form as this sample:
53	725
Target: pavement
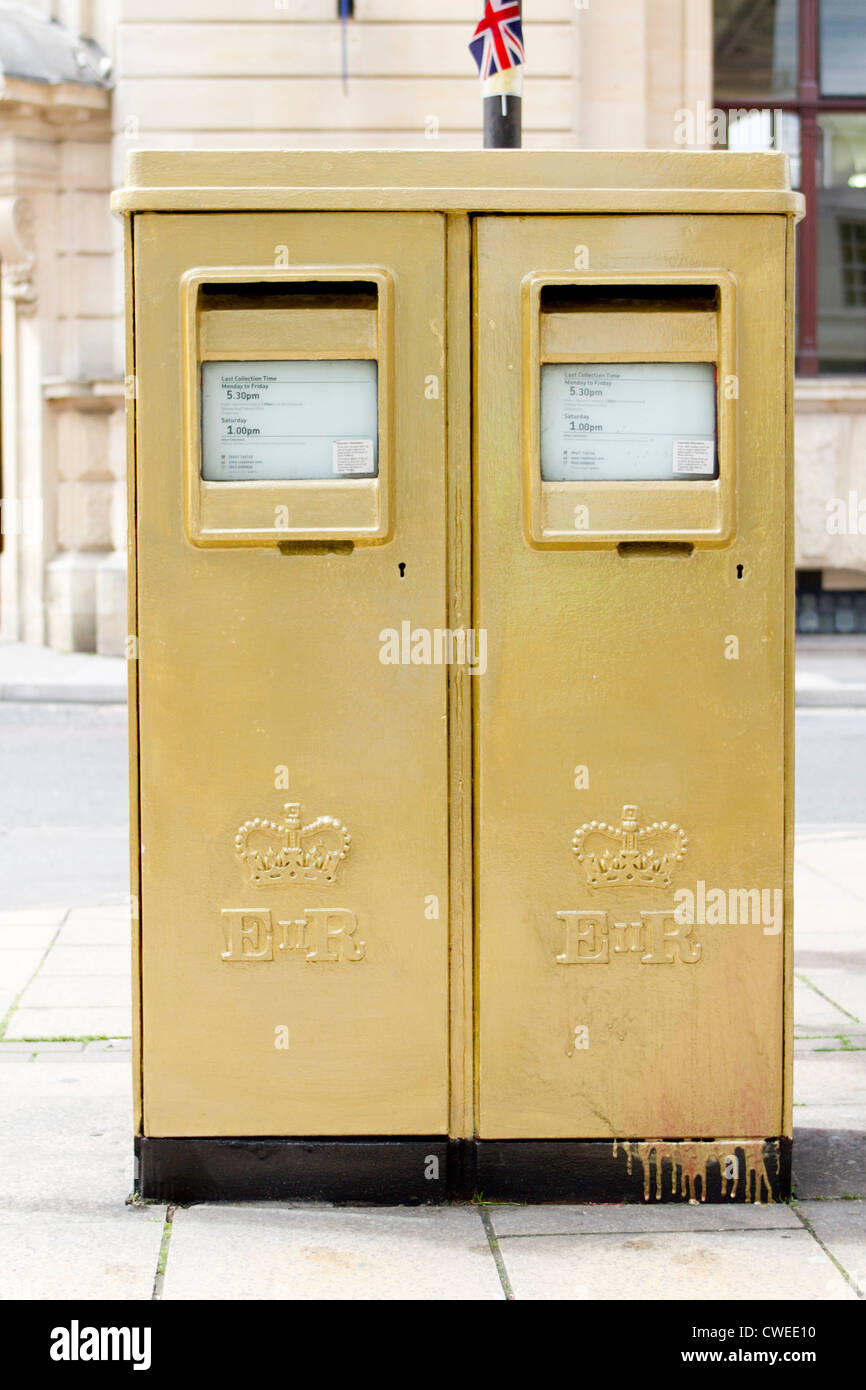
68	1229
831	672
41	673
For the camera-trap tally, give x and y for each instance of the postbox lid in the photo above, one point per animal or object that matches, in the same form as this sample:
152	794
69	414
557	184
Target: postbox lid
512	181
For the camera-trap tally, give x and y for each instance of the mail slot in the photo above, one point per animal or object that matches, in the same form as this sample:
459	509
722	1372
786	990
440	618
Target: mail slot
288	400
631	386
461	599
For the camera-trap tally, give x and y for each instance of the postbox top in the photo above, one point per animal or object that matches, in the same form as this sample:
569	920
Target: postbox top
515	181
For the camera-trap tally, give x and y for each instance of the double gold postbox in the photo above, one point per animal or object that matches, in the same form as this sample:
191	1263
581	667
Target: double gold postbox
461	590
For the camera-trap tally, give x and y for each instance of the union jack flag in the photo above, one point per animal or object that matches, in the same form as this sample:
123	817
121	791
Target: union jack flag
497	43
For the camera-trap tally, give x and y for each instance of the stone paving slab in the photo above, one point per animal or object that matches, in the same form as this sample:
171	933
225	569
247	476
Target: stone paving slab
19	936
829	936
841	1226
693	1265
831	1078
829	1157
114	1050
811	885
106	1021
835	861
276	1252
71	1150
57	1074
832	1042
827	919
632	1218
108	1254
109	931
32	919
813	1011
76	991
844	985
17	967
830	941
101	912
839	1116
841	942
89	961
109	1050
830	951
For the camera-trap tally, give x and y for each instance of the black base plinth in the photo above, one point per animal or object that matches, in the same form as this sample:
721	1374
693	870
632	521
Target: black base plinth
389	1171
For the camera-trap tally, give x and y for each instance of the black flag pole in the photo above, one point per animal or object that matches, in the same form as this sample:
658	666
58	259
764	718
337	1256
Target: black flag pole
503	127
497	47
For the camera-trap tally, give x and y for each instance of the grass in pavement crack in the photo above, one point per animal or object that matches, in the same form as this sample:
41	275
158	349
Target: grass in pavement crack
495	1251
77	1037
805	981
853	1283
163	1254
5	1020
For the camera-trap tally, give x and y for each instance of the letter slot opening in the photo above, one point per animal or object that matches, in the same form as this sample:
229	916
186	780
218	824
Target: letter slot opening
289	406
627	434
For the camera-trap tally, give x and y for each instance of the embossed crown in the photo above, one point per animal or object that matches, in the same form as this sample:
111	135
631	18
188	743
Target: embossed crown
629	855
284	851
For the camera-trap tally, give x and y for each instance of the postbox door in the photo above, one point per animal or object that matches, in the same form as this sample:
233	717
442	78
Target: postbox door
631	724
293	762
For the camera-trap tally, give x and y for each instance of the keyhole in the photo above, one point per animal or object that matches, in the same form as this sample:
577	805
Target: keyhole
402	568
739	571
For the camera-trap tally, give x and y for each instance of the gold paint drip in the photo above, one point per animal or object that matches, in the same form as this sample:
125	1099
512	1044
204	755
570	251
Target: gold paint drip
690	1161
628	1154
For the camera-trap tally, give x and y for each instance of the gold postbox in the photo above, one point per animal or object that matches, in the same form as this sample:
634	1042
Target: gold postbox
461	693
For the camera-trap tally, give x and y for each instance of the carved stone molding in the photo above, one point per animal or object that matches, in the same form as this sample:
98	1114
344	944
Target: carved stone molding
17	253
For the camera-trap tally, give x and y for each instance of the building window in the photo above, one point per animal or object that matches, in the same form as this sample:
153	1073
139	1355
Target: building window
826	611
842	47
852	243
791	75
755	49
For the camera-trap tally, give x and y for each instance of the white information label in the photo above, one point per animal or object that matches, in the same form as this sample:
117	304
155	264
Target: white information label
280	421
695	456
353	456
628	421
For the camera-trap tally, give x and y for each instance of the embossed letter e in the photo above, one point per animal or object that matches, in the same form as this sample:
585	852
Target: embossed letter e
586	939
249	934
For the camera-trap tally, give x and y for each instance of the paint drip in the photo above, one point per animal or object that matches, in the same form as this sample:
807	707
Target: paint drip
690	1161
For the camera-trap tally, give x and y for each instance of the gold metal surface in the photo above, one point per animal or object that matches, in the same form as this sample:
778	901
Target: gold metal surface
458	368
261	685
463	181
598	1014
788	695
132	675
400	898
